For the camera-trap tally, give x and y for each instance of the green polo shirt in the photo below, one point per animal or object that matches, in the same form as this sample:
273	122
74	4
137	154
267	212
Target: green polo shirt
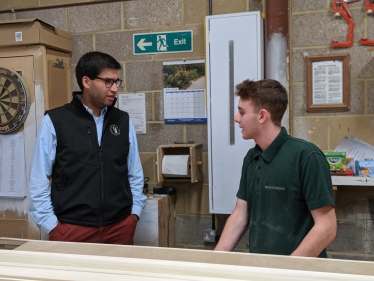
281	186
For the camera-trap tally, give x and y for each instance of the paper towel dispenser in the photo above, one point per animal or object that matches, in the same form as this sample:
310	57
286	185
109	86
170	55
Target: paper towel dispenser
180	162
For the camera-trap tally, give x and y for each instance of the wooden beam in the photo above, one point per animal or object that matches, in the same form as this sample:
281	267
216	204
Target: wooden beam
18	265
201	257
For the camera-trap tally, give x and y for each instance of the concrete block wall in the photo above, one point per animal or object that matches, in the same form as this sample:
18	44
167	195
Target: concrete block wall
108	26
313	27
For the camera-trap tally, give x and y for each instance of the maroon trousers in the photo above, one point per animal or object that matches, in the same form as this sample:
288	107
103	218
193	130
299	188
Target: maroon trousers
121	232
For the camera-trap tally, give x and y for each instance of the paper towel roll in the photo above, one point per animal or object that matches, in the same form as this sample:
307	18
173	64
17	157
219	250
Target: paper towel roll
176	166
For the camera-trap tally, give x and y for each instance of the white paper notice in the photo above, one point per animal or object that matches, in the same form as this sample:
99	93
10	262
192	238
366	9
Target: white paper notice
12	166
327	82
134	105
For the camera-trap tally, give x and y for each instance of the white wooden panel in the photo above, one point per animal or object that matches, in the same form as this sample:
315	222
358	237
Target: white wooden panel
225	160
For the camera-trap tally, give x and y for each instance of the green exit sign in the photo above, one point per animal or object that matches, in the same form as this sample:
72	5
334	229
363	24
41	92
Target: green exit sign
163	42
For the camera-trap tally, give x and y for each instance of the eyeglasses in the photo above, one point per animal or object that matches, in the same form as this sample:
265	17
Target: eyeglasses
109	82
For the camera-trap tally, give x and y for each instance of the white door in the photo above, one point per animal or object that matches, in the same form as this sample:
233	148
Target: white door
239	37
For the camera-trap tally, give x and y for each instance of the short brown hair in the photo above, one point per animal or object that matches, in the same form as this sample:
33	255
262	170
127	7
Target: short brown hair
267	94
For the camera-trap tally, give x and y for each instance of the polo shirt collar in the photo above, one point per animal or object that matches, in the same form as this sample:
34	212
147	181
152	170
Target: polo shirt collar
273	148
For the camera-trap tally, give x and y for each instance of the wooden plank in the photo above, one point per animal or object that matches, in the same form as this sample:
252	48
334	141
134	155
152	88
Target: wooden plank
10	244
171	204
196	160
193	166
204	257
166	221
44	266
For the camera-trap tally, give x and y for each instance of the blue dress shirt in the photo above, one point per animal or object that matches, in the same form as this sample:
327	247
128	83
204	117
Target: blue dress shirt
43	159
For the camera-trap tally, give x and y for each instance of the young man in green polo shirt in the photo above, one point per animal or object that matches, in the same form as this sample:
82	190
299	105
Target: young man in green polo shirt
285	192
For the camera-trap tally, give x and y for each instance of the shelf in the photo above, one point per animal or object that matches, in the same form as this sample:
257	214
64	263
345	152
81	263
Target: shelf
194	150
347	180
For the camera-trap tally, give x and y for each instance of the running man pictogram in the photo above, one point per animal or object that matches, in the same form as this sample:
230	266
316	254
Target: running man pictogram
161	43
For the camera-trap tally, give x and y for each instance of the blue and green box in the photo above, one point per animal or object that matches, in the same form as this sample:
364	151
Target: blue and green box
336	160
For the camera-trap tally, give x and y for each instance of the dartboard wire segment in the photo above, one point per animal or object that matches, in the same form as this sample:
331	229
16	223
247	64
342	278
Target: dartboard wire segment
14	100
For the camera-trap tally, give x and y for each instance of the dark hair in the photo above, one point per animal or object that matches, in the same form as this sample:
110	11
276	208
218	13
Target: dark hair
267	94
92	63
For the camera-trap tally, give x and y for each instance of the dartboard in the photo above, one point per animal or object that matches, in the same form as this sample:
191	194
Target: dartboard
14	100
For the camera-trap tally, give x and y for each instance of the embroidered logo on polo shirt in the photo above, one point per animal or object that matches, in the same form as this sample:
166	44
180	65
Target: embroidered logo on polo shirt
275	187
114	130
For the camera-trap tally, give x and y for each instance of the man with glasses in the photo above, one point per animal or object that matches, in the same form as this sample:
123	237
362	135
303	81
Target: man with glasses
88	149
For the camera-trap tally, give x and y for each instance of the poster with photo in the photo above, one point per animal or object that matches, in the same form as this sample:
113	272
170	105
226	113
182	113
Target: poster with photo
184	92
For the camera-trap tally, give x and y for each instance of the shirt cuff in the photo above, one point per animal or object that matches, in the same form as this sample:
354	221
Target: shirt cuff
49	224
136	210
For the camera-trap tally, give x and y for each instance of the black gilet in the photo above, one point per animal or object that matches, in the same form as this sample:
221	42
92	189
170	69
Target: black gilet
90	183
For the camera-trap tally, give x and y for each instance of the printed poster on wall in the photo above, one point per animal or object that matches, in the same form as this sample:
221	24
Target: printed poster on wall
12	165
134	105
327	82
184	92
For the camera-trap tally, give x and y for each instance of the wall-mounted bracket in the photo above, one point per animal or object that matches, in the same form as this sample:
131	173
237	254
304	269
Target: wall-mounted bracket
369	7
340	8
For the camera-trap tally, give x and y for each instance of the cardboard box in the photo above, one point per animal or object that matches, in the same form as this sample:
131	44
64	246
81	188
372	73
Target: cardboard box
31	32
156	224
336	160
365	168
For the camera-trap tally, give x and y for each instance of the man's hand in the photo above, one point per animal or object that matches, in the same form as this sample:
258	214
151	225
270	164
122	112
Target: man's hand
136	217
234	228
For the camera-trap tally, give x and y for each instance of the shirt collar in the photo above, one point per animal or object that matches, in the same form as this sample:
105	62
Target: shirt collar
103	111
273	148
